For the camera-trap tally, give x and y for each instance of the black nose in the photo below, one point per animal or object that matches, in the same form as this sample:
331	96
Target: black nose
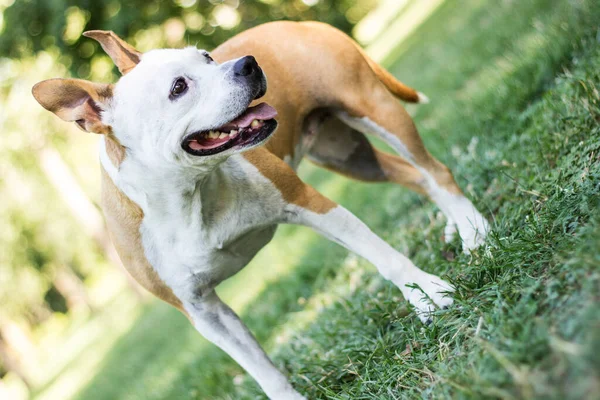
245	66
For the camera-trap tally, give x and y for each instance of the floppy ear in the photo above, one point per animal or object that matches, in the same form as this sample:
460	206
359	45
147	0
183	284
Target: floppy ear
75	100
123	55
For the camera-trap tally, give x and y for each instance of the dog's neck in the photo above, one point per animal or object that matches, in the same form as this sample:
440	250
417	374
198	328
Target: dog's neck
170	189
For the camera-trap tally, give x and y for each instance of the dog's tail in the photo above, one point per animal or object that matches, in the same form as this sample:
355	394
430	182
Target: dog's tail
397	88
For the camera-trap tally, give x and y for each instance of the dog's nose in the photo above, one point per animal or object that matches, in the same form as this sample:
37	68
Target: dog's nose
245	66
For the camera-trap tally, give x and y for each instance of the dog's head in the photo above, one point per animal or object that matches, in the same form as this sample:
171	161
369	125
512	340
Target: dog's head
170	105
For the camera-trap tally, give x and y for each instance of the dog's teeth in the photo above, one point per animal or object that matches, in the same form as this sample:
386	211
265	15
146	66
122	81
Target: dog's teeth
223	135
233	132
213	135
255	124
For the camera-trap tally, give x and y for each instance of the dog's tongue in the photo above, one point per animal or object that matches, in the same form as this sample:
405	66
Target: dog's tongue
260	111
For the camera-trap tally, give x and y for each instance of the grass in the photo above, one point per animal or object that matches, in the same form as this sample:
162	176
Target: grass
515	113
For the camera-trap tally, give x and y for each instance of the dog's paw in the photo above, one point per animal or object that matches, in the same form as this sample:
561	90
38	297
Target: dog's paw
473	232
425	292
450	231
462	214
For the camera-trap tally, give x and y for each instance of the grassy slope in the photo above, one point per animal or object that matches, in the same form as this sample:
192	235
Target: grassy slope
525	146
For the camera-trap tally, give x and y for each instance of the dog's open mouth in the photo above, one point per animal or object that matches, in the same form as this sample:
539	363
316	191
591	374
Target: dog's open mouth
252	127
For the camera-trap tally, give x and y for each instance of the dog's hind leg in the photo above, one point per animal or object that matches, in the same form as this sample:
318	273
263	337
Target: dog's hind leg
344	150
381	115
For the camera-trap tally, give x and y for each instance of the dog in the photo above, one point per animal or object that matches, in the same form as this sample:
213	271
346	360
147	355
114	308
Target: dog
196	174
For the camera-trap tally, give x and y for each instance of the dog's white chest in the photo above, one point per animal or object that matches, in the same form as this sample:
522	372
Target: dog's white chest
198	234
184	255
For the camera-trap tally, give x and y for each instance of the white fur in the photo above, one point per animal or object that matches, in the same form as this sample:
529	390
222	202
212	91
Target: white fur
365	125
220	325
300	150
423	99
342	227
472	226
450	231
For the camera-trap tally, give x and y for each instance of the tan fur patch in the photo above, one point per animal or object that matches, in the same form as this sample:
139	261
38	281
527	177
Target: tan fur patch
293	190
75	100
123	55
114	150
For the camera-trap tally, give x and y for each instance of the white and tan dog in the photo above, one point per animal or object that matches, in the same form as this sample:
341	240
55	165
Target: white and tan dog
195	180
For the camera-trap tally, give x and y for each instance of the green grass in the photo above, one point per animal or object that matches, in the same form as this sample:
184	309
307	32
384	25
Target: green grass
515	113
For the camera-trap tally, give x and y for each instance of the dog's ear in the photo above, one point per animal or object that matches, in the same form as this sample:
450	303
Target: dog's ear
123	55
76	100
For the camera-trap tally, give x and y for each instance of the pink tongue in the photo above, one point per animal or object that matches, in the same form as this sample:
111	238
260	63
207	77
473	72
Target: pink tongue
260	111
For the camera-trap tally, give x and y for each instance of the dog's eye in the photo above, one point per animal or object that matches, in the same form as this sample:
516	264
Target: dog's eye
179	88
208	57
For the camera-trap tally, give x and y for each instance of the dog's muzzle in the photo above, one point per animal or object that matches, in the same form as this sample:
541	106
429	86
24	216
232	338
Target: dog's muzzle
246	69
249	129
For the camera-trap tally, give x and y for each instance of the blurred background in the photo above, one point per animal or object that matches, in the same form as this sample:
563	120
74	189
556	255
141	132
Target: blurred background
73	325
58	270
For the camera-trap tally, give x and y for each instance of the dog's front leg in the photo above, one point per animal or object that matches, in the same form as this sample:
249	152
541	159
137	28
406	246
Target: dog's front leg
219	324
341	226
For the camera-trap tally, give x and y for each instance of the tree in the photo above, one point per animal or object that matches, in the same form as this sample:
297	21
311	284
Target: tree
34	25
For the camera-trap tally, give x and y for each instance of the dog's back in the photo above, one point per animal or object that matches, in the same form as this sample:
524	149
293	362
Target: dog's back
303	98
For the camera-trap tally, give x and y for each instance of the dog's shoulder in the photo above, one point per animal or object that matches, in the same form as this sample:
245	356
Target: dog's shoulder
284	179
123	218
